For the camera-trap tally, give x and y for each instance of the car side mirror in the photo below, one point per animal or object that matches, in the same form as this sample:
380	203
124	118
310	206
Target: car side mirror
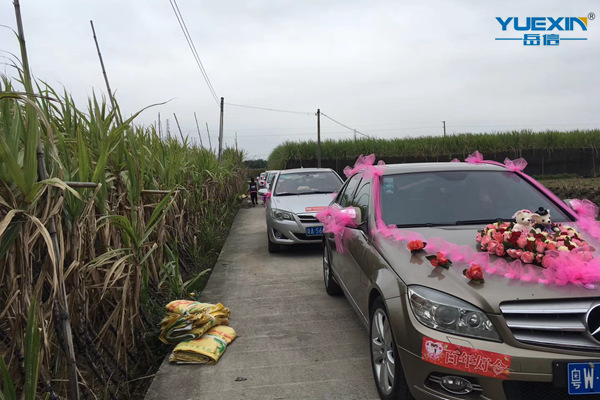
568	202
355	214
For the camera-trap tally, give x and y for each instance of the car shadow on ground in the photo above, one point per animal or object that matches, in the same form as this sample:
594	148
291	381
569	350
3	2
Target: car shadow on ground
299	250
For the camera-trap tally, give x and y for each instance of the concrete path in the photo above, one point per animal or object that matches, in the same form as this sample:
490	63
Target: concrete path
294	341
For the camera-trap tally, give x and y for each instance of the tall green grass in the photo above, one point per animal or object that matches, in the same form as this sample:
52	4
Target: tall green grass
429	147
125	248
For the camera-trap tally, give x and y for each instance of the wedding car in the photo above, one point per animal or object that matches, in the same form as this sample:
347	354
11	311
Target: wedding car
459	300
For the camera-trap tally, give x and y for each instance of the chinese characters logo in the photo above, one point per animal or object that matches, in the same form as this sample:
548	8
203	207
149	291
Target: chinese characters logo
550	29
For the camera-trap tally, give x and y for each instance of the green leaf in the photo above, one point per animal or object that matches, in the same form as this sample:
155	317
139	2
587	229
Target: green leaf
159	214
9	388
84	158
10	159
9	230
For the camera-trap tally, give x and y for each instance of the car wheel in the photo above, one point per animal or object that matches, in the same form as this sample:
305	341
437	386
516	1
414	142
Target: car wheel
387	368
273	247
331	286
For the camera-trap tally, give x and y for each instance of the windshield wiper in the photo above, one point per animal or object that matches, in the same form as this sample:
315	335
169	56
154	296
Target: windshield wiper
316	192
482	221
286	194
424	225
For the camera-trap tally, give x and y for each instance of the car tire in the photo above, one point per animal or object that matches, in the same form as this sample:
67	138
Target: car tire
331	286
273	247
385	362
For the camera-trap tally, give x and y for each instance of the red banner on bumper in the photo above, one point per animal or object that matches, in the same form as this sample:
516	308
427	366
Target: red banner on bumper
466	359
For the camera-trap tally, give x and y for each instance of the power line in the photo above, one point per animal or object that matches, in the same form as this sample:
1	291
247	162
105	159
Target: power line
188	38
270	109
345	126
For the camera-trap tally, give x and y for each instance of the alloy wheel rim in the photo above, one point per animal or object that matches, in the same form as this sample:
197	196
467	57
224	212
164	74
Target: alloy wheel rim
382	352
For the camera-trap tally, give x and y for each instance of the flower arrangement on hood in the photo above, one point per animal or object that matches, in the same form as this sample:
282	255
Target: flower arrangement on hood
530	247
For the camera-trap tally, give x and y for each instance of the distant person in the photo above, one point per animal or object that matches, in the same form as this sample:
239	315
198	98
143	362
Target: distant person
253	190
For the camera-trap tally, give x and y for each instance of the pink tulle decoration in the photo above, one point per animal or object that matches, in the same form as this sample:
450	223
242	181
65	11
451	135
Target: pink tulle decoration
475	158
585	208
362	162
335	220
587	212
399	235
517	165
572	267
455	160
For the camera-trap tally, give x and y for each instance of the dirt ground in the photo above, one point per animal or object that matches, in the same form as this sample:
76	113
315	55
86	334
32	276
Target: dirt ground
575	188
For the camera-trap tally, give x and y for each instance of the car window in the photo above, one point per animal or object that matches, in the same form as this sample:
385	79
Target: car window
449	196
345	197
299	183
361	199
270	177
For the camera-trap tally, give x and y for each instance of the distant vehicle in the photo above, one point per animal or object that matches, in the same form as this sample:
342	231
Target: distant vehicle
296	197
262	179
270	177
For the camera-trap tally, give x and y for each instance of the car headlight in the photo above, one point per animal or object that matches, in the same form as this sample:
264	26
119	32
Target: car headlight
281	215
446	313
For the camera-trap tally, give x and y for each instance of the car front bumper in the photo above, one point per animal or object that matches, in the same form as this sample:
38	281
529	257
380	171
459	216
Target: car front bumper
534	372
291	231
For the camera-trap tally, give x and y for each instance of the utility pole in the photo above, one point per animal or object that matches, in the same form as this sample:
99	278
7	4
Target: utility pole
221	132
444	122
159	127
236	149
198	128
318	137
355	135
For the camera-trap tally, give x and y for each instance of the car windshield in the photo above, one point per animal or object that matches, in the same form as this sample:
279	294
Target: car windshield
299	183
459	197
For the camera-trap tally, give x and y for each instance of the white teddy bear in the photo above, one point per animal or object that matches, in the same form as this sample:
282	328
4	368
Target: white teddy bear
523	221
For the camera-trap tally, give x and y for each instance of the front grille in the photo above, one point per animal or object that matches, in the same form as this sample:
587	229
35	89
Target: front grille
307	218
560	324
516	390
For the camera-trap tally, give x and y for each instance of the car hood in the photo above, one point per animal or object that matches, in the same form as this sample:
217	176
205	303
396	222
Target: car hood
417	270
304	203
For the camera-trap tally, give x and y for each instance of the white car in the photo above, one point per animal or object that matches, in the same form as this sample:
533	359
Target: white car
296	197
270	177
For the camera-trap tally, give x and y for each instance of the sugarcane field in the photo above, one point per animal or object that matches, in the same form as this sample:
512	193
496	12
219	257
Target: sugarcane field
291	200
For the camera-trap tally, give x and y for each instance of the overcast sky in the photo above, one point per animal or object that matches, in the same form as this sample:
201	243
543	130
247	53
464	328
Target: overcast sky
387	68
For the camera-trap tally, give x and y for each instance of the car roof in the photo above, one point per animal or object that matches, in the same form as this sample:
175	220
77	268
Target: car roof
391	169
300	170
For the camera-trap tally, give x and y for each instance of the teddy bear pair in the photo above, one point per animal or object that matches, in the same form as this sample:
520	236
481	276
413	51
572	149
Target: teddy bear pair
540	221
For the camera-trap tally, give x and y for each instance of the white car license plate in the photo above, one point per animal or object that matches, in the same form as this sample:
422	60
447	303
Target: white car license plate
314	231
584	378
